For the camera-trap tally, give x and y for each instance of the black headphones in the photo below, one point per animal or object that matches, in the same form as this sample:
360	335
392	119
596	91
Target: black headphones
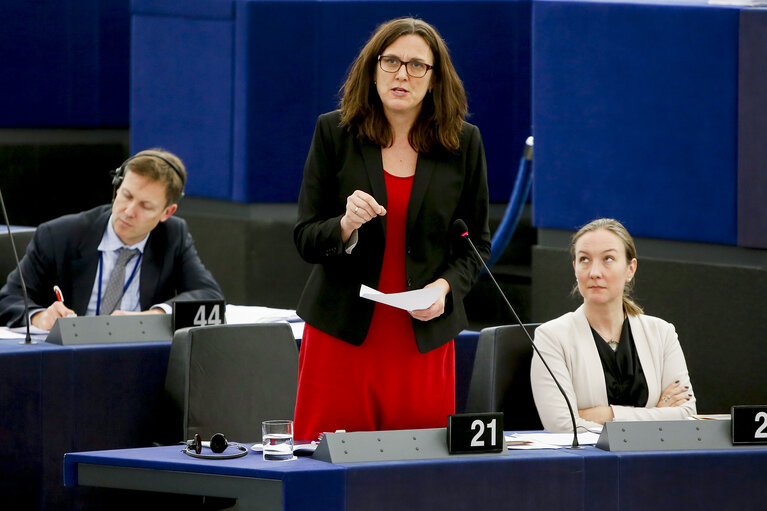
217	445
119	173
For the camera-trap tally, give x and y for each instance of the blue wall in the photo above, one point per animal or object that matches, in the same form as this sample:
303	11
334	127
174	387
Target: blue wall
239	99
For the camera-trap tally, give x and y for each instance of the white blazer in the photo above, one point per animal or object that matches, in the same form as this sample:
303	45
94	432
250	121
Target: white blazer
568	346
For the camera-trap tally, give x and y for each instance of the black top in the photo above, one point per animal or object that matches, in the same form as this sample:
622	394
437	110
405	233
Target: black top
624	378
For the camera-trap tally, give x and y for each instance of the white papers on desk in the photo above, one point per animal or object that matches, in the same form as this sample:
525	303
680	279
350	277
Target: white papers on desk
409	300
742	3
21	332
33	330
548	440
710	417
248	314
7	333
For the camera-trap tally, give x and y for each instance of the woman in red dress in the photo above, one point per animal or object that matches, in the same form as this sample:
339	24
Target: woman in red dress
386	177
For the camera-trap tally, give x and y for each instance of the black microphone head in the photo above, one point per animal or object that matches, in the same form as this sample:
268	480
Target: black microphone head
460	227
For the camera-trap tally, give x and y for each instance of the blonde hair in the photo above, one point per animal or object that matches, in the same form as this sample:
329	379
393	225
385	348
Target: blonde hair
444	109
630	307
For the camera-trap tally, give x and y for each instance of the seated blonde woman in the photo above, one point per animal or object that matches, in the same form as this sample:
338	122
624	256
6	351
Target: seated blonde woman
613	361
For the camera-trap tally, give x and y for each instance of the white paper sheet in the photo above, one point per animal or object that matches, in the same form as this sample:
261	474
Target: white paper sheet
247	314
554	440
7	333
33	330
408	300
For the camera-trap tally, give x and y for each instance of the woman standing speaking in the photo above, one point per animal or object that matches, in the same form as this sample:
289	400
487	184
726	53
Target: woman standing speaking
386	177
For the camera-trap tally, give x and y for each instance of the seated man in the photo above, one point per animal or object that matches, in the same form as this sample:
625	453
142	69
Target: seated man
132	257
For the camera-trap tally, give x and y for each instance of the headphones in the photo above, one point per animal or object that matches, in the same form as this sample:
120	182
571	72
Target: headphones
217	444
119	173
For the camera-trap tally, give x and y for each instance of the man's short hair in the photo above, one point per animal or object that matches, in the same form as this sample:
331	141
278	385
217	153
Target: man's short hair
150	164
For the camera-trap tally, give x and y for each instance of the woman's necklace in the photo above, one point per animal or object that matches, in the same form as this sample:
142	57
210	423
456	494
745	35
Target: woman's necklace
612	341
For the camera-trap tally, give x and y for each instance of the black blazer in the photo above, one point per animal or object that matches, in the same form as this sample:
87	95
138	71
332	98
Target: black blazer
64	252
447	186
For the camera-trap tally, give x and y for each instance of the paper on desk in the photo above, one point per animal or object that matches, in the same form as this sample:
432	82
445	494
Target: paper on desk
744	3
33	330
710	417
512	442
247	314
7	333
554	440
21	333
409	300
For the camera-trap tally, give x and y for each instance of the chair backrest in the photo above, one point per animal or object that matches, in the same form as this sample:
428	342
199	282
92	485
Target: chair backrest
21	238
500	380
229	378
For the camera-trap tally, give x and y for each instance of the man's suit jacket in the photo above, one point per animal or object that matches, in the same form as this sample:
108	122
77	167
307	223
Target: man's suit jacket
568	346
446	187
64	252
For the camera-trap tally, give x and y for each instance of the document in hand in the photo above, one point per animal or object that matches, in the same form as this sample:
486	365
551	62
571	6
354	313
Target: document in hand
408	300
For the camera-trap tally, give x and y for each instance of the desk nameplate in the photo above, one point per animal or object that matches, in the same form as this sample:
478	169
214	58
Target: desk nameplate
749	424
667	435
396	445
111	329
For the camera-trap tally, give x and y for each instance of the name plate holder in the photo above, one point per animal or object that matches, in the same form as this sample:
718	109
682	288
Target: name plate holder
749	424
665	435
397	445
111	329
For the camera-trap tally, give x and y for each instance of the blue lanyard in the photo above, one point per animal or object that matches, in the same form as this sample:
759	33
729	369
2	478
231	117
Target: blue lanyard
125	287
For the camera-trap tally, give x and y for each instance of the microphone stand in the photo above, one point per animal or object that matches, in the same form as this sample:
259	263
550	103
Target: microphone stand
28	339
575	444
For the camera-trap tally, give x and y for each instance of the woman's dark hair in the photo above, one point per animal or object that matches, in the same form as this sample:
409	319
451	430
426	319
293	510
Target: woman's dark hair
444	109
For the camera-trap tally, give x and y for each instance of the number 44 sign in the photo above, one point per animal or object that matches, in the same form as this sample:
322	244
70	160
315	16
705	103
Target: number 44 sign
198	313
475	433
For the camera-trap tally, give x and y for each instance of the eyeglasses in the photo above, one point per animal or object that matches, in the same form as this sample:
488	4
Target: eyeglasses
414	68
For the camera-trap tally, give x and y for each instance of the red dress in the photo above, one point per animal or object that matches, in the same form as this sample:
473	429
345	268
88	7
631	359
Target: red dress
385	383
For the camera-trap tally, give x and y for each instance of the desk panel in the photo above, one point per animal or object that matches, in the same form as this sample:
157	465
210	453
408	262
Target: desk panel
533	480
59	399
670	481
581	479
304	483
21	423
461	483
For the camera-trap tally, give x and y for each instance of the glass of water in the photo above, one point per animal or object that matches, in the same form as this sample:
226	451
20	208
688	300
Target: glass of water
277	438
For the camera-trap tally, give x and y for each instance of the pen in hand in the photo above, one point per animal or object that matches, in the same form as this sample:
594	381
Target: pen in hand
60	298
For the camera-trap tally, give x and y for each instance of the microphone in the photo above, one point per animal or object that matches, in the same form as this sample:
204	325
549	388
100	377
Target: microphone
461	228
28	339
